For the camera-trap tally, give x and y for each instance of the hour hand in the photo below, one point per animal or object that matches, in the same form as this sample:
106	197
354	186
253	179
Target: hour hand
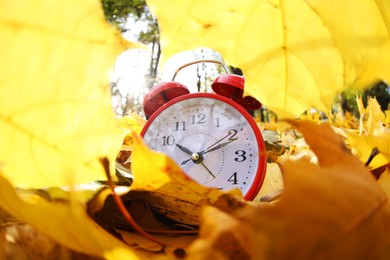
184	149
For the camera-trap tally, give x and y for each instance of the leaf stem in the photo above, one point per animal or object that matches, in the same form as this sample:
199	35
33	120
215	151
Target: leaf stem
373	153
122	208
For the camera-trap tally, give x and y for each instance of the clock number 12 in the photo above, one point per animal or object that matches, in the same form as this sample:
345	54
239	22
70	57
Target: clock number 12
198	119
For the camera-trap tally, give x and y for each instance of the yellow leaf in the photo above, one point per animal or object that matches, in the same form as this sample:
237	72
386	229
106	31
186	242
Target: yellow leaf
360	105
295	54
273	182
373	133
56	118
365	143
377	68
387	118
375	117
65	222
133	122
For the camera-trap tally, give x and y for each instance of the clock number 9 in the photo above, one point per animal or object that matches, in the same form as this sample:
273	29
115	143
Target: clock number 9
168	140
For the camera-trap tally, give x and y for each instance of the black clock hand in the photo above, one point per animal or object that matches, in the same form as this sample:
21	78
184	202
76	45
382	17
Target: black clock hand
184	149
198	159
187	151
216	145
213	147
185	161
208	170
219	146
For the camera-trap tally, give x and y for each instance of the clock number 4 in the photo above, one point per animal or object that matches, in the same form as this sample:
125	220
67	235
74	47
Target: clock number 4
233	179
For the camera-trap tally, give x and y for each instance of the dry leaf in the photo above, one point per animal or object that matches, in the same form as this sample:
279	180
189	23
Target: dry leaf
332	210
66	222
384	181
174	246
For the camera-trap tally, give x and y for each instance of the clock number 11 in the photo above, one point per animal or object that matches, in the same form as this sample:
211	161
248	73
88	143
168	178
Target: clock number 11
180	126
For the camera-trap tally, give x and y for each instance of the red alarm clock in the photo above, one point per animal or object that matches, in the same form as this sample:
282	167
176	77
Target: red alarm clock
210	135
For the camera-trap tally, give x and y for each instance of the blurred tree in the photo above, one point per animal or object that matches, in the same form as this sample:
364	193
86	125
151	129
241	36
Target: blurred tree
120	12
133	18
382	93
347	100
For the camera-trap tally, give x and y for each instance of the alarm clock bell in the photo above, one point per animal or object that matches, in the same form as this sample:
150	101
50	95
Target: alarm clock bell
227	85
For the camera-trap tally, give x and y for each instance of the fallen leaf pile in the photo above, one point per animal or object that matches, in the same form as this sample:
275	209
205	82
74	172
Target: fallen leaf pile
331	210
326	193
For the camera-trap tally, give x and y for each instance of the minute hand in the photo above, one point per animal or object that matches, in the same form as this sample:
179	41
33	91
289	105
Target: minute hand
216	145
219	146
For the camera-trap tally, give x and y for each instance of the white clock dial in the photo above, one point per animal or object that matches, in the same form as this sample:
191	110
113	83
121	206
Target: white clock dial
212	139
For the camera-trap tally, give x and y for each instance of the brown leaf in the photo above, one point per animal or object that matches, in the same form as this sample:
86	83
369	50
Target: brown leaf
223	236
332	210
174	246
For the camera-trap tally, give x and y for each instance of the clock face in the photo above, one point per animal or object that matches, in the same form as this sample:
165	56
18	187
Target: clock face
214	140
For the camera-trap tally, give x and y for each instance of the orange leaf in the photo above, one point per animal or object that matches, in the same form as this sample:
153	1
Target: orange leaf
332	210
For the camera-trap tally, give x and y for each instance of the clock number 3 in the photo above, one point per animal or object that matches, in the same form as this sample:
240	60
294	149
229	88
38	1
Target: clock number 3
240	156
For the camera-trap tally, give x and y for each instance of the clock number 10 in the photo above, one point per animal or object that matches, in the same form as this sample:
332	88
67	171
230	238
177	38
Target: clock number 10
168	140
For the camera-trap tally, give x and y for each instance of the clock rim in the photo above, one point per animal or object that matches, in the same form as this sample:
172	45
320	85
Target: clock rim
262	165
